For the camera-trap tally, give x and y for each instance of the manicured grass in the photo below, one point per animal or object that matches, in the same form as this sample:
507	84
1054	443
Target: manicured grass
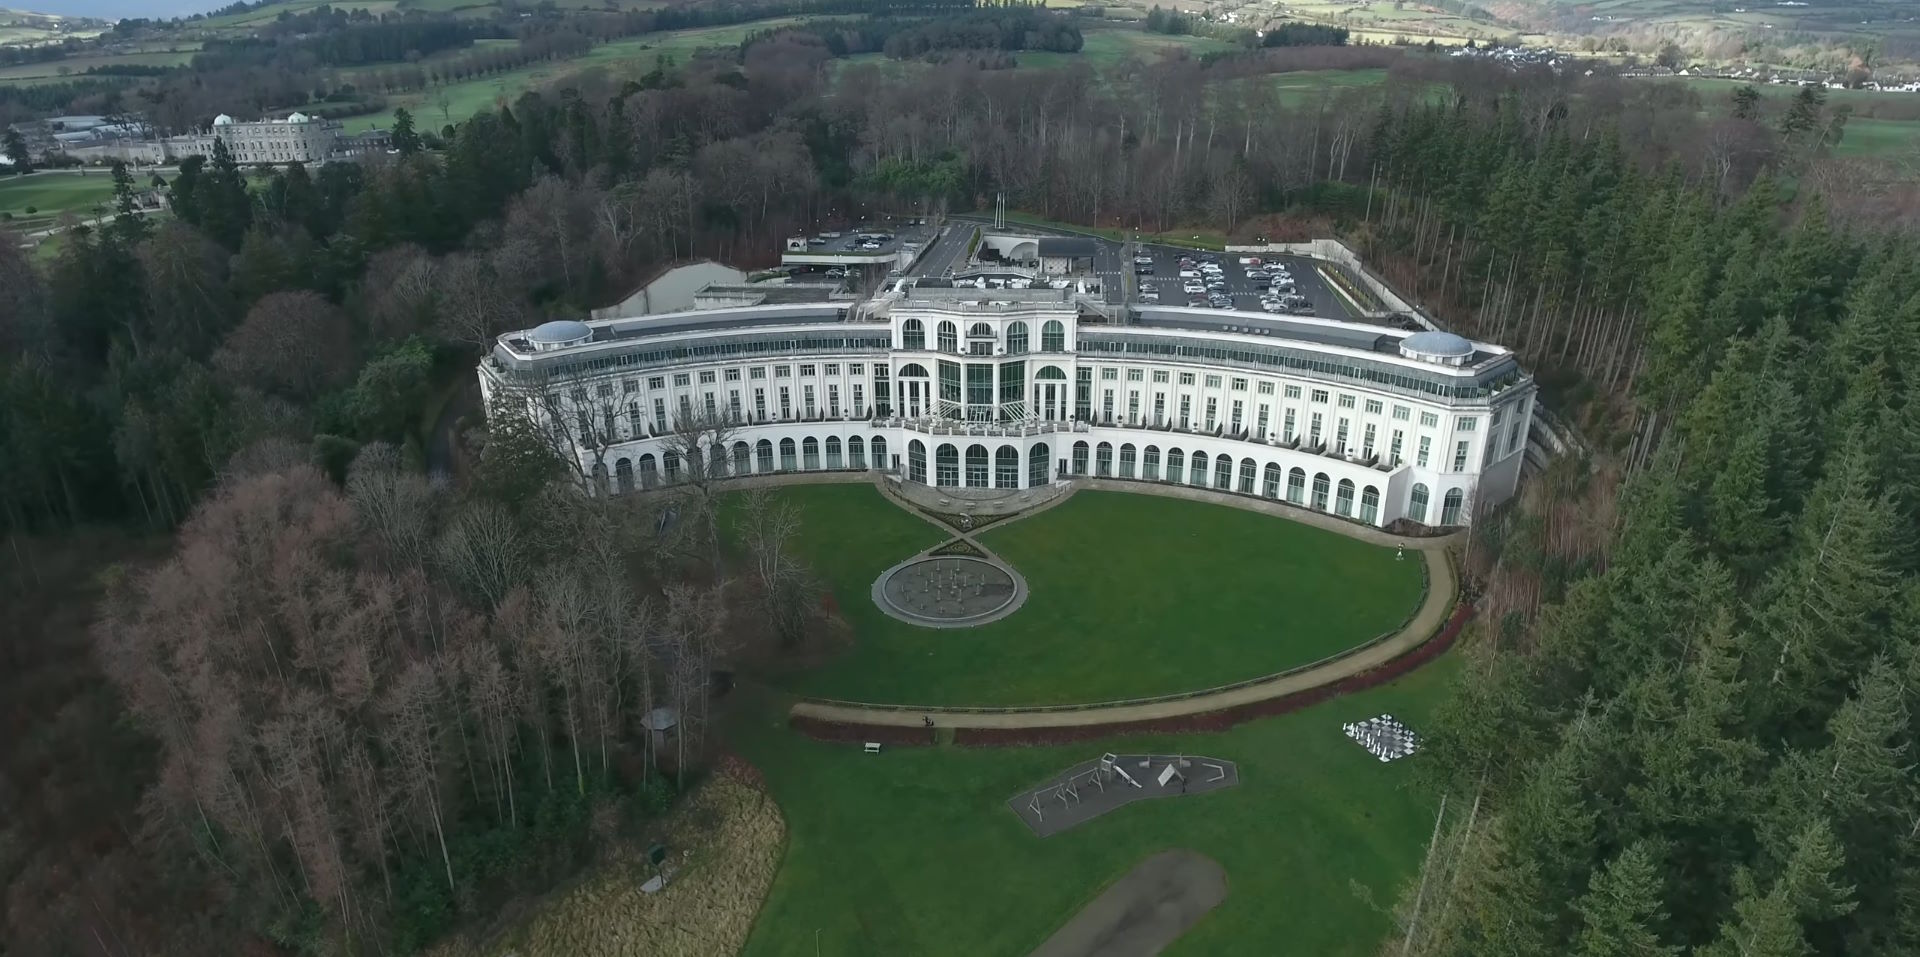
914	851
52	194
1880	138
1307	86
1132	596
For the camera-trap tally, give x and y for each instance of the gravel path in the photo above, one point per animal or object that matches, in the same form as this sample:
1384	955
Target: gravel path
1144	911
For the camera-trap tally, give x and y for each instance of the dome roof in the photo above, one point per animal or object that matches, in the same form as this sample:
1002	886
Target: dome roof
223	120
561	330
298	118
1433	344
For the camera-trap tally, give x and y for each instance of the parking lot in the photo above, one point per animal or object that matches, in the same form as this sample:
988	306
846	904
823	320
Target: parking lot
1245	292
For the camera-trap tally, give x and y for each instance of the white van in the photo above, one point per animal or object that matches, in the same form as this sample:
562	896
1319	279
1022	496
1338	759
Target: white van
1189	274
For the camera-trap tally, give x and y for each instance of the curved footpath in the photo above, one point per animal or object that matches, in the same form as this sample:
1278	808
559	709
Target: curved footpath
1429	632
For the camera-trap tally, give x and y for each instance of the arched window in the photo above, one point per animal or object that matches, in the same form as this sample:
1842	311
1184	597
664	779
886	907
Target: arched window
787	460
833	451
717	461
1270	481
649	472
1343	498
1006	467
1176	465
1247	472
879	449
1417	504
949	337
670	466
916	461
742	458
810	453
946	465
1053	336
763	456
913	336
856	453
1050	373
1370	505
1103	460
1016	337
1450	507
623	475
980	330
1039	461
1321	486
1126	461
1197	468
1297	486
1150	463
977	467
1079	458
913	370
1223	472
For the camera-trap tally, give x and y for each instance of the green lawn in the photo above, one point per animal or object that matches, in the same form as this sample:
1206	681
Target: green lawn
1306	86
914	851
1132	595
1879	138
51	194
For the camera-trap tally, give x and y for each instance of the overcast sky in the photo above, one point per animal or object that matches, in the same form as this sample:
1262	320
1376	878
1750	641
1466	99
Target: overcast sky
115	9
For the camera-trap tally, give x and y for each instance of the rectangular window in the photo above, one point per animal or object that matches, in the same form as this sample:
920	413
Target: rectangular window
1213	406
733	375
1426	447
1313	430
1400	412
1460	456
1366	442
686	408
706	377
806	370
1429	420
1293	392
1133	408
1133	375
833	368
1320	396
680	380
1373	406
1239	385
604	390
1109	375
1213	382
733	404
713	410
1186	410
786	402
1346	401
1513	435
833	400
1083	393
656	382
859	401
1159	407
1340	437
782	372
1393	451
659	415
760	404
1260	423
1465	423
806	393
1106	405
1286	428
757	372
630	386
856	368
1186	378
1160	376
1234	422
1266	388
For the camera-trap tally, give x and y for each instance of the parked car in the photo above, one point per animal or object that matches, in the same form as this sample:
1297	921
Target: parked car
1189	273
836	273
1194	288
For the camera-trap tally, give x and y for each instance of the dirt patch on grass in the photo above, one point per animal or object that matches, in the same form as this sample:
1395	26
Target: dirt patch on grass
1144	911
724	846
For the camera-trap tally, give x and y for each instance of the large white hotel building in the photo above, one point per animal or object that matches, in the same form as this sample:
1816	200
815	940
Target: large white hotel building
1010	389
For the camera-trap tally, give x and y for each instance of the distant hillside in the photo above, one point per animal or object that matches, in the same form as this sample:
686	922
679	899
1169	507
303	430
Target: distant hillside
1773	30
25	28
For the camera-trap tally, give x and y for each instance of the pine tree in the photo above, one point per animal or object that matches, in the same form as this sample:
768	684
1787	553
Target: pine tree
1621	914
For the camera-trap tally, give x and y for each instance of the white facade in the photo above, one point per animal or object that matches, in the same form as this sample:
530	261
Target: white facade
1015	389
297	139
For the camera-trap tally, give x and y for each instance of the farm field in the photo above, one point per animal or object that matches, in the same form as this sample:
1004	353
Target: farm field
1382	21
630	57
1114	579
906	852
79	65
1880	138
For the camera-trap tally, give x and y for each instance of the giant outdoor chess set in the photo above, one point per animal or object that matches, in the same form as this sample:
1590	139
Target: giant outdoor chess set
949	591
1092	788
1384	737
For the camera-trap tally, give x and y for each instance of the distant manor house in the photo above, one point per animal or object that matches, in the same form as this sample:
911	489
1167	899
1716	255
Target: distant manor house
297	139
